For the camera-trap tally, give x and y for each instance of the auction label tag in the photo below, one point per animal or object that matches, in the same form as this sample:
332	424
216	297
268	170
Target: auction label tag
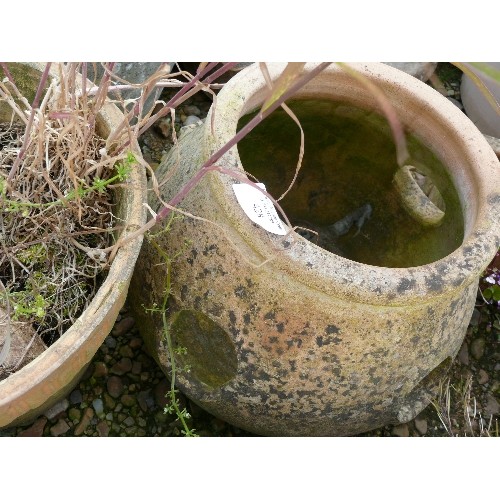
259	208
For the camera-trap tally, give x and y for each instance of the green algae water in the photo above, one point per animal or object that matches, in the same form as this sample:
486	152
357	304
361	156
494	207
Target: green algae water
350	162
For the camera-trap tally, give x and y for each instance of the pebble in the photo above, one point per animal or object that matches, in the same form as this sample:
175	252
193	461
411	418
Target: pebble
477	347
74	414
483	377
84	422
100	369
109	402
126	352
129	421
60	428
110	342
115	386
143	398
57	409
401	430
160	390
36	430
123	366
128	400
75	398
476	318
102	428
136	368
492	406
98	406
135	343
122	326
421	425
463	355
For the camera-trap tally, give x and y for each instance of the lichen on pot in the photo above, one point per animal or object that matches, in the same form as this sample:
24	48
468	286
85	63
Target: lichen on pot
325	344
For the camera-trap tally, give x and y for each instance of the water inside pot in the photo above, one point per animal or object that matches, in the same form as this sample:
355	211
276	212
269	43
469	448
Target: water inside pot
345	191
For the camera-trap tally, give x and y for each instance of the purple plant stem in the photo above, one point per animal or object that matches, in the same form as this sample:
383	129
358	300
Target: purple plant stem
26	141
208	165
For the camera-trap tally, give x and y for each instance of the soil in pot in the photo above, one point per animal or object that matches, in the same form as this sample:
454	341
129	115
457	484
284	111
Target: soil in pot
345	192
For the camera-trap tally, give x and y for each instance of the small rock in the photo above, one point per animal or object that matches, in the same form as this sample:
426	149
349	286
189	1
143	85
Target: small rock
109	417
109	402
100	369
36	430
160	391
60	428
497	367
123	366
463	355
74	414
191	120
75	397
492	406
129	421
136	367
193	110
126	352
421	425
128	400
57	409
84	423
477	347
483	377
110	342
401	430
122	326
135	343
476	316
98	406
114	386
102	428
142	399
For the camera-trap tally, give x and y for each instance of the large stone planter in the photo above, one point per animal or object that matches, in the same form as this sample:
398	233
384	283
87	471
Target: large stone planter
51	376
312	343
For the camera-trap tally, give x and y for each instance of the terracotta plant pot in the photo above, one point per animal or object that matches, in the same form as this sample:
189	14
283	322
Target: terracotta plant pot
284	337
40	384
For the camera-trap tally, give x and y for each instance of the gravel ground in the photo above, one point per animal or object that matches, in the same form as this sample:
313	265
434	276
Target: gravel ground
123	391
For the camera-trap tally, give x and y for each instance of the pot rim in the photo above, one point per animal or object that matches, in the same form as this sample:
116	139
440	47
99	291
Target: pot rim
32	389
437	122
